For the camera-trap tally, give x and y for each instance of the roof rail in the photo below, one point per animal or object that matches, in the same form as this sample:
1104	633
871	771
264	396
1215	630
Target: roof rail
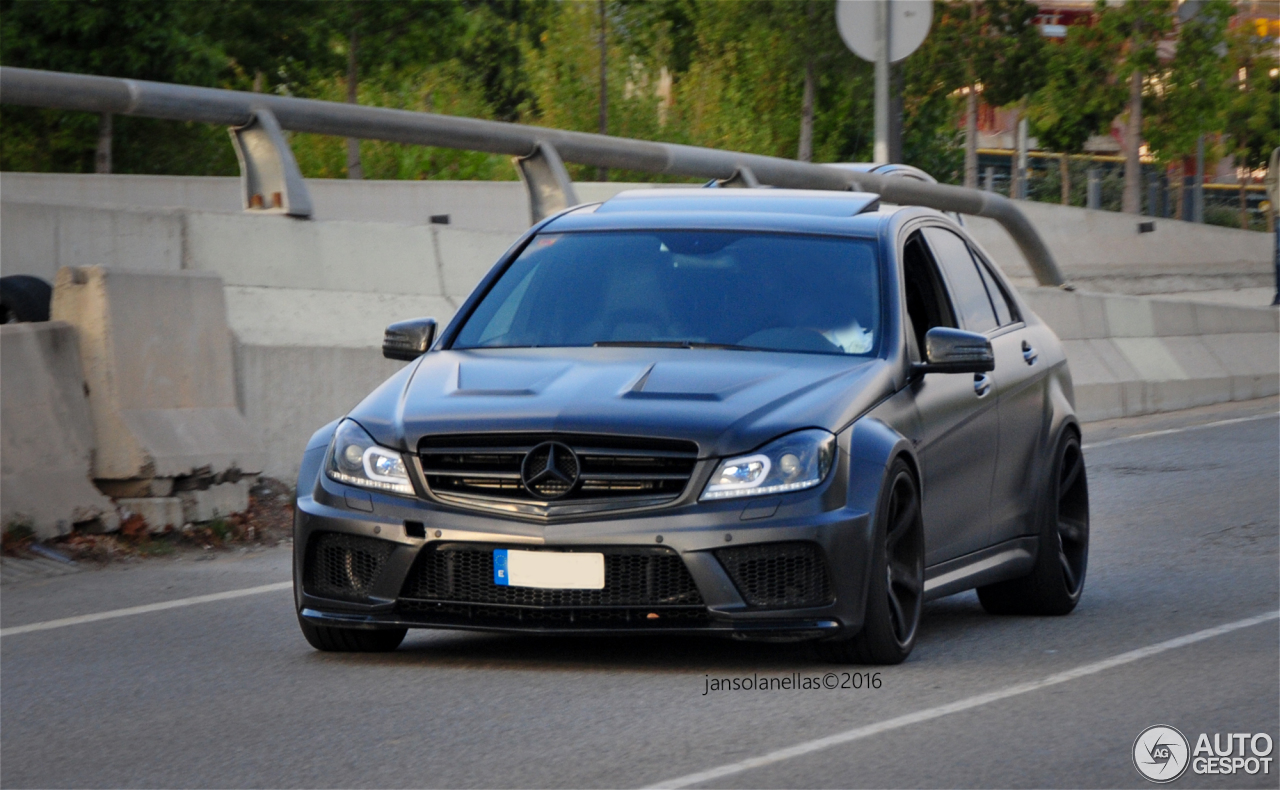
544	149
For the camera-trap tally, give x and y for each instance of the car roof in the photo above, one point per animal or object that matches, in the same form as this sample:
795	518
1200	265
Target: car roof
785	210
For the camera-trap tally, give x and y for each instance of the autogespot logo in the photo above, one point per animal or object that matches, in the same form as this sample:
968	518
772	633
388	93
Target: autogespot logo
1160	753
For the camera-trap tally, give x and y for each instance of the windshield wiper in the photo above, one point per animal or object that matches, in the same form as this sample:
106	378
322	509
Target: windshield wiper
672	344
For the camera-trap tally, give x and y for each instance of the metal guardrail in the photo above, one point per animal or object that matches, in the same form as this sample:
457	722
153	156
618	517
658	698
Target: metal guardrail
273	183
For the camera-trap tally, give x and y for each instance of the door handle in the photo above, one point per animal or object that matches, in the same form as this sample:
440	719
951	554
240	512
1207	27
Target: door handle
1029	353
981	384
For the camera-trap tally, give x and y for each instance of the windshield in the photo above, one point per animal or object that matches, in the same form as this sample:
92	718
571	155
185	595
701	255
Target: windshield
684	288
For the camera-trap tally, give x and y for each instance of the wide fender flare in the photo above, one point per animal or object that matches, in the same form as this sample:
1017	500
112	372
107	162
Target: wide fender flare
1062	418
873	447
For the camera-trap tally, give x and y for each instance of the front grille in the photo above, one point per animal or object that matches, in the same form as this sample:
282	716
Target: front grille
778	574
608	469
633	576
344	567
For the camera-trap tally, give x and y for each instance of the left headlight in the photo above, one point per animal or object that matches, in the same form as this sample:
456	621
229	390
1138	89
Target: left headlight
355	459
792	463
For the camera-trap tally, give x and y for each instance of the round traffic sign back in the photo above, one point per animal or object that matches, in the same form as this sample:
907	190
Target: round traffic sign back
909	22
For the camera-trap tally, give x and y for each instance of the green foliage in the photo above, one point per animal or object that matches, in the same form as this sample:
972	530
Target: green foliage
1193	89
1253	109
701	72
142	39
440	88
1074	103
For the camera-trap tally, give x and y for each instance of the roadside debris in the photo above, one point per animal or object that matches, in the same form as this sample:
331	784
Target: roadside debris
267	522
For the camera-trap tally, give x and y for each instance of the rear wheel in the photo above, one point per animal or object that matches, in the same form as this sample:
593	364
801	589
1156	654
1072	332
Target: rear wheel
351	640
1055	583
895	593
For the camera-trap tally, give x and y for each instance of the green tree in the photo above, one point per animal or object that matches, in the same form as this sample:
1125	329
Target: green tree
1079	97
385	36
140	39
1136	30
1253	117
1192	89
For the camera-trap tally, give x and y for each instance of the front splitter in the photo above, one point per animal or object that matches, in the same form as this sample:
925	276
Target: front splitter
756	629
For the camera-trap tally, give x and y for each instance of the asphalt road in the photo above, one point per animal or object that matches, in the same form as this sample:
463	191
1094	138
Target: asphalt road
227	693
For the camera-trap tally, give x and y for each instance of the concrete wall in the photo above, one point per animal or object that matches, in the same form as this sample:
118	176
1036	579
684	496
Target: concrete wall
46	434
1103	251
474	205
156	356
1138	355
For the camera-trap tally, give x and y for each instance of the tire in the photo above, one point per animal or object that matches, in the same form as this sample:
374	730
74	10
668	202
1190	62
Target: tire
1056	581
24	298
351	640
895	589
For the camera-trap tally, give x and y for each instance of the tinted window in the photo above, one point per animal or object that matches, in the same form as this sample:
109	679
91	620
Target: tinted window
967	290
767	291
1005	313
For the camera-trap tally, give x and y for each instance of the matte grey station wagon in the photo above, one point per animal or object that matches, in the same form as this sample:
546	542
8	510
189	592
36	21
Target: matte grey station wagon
761	413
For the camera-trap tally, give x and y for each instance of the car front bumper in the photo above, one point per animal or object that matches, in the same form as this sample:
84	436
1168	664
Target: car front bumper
407	531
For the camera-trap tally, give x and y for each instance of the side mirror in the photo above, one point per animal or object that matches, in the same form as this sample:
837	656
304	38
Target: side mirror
949	350
408	340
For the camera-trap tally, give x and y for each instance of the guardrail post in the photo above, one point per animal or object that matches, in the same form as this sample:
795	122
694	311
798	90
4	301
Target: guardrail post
269	176
1094	200
545	177
743	178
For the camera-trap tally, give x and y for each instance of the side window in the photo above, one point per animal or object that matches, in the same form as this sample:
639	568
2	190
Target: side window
1006	313
968	292
927	304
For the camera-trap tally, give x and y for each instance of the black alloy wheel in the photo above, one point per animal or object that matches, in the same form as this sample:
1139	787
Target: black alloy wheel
895	592
1056	582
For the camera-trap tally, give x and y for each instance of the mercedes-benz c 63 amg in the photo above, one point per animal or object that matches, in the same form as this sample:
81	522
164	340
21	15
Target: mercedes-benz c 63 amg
752	412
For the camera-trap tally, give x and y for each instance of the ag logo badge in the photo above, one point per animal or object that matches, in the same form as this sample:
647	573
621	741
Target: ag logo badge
1160	753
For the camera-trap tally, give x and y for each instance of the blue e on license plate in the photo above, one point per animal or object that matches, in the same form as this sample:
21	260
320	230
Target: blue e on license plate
548	570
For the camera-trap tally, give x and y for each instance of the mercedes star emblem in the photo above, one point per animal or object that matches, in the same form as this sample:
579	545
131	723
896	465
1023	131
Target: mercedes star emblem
550	470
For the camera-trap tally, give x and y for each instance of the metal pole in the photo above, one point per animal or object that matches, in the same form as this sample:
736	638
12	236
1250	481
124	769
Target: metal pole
1022	157
881	153
990	185
31	88
1197	195
1094	197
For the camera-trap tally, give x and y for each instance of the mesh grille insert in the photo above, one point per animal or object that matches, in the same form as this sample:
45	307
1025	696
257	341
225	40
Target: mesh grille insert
778	574
345	566
633	576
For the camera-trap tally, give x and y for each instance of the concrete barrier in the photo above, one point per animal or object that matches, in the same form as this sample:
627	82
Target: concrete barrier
1104	251
38	239
1138	355
474	205
46	434
290	391
157	359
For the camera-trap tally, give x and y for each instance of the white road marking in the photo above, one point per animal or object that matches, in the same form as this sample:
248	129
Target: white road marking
857	734
151	607
1167	431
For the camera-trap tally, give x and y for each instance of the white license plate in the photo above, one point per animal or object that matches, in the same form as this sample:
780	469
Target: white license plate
548	570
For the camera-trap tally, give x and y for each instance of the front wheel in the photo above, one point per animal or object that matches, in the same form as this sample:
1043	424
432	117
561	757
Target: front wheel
351	640
895	593
1056	581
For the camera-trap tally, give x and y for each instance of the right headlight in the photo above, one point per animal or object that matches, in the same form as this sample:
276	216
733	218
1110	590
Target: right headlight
355	459
793	462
